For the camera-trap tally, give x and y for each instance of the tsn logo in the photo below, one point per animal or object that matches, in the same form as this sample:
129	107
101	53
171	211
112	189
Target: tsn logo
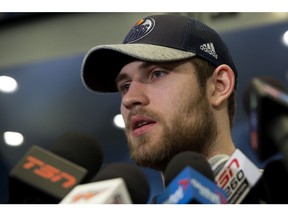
49	172
231	178
86	196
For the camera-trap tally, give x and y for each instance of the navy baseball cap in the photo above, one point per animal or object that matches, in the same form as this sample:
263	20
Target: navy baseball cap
156	38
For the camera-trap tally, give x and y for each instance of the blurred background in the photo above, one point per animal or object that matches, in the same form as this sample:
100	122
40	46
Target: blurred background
42	95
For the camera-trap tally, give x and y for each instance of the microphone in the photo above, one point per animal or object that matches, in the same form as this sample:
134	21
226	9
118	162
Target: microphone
189	179
265	100
217	162
239	177
45	177
114	184
81	149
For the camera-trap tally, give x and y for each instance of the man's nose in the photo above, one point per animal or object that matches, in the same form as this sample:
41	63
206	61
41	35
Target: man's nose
135	96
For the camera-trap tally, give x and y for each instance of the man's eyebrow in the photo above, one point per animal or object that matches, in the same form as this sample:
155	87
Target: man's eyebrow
120	77
142	66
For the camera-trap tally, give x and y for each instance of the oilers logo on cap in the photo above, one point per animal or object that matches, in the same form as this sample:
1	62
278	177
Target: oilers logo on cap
140	30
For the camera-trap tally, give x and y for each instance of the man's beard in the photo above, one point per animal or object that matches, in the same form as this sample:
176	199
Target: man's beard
193	129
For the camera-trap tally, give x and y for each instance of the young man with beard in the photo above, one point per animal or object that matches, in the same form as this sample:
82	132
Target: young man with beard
177	81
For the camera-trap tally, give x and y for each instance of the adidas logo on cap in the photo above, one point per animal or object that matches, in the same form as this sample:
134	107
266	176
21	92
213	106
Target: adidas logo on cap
209	48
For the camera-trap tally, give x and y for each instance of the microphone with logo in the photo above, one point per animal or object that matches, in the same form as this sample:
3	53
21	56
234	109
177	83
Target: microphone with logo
238	177
116	183
244	183
189	179
265	100
46	177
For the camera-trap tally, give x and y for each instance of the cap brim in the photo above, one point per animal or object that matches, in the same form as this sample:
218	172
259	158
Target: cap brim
102	64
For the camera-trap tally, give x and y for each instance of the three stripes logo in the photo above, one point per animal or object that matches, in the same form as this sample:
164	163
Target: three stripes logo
209	48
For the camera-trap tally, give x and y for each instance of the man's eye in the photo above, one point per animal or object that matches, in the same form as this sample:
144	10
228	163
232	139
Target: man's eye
157	74
124	88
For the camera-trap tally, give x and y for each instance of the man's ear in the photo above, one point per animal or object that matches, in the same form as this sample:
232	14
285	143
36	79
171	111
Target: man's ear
223	81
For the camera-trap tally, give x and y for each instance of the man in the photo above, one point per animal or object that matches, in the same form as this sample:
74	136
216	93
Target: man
177	81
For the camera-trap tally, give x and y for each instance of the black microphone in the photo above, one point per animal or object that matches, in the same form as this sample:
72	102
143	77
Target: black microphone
116	183
45	177
189	179
265	100
81	149
184	159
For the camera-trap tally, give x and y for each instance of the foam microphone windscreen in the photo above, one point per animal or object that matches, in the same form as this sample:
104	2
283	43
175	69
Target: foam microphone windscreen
82	149
184	159
135	180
